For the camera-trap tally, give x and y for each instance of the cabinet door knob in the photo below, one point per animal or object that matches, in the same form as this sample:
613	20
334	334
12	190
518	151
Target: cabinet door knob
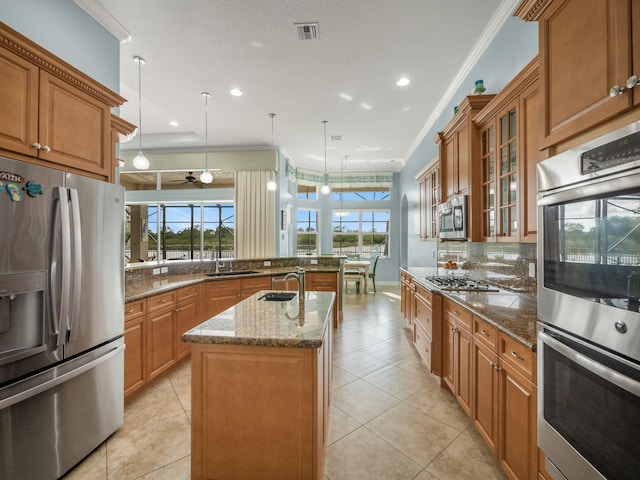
46	149
484	332
632	81
616	90
36	145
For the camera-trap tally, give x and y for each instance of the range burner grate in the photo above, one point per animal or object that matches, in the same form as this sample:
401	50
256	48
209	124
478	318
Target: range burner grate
466	284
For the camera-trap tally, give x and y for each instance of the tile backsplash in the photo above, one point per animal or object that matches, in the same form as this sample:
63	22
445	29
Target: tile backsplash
511	266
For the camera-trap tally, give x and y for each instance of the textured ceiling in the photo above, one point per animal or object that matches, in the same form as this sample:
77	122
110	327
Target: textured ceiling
364	47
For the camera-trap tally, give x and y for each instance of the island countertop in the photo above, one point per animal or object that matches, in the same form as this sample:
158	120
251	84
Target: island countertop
267	323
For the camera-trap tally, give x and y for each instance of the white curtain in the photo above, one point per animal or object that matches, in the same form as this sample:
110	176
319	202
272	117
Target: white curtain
255	222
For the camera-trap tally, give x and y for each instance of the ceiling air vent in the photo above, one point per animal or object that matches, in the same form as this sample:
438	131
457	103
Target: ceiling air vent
336	137
307	31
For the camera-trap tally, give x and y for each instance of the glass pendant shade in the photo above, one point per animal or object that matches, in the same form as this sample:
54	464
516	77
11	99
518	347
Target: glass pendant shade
140	162
325	189
206	177
272	186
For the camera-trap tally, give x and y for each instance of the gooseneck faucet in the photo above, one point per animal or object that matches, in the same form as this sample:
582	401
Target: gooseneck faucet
299	275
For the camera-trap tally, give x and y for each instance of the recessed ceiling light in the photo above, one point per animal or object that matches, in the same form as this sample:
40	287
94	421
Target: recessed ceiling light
236	92
403	82
405	109
173	123
366	106
345	96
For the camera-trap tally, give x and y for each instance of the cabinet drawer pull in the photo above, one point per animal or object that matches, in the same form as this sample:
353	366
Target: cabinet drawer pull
130	310
484	332
495	367
616	90
632	81
164	300
515	355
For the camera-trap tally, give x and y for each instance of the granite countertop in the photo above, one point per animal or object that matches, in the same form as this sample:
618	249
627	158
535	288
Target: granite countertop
512	313
271	324
163	283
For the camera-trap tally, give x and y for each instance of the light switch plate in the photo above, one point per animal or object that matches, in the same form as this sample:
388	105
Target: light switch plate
532	269
156	271
267	263
164	269
314	261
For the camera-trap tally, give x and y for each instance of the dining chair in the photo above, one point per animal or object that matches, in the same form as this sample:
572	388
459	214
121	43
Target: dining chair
372	273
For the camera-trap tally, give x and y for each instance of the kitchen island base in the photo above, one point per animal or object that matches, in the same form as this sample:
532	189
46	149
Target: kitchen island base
260	412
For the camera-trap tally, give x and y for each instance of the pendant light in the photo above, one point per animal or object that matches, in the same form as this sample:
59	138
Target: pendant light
342	212
325	189
206	176
271	184
140	161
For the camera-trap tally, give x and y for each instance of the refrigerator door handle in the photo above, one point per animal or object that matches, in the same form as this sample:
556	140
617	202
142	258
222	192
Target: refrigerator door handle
60	306
49	384
76	294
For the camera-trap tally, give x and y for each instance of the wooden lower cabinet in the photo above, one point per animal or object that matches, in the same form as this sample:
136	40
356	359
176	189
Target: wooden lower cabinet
326	282
220	295
485	394
271	418
161	348
427	327
457	353
135	366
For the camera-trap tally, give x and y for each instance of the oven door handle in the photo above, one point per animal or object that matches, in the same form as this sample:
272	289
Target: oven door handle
602	371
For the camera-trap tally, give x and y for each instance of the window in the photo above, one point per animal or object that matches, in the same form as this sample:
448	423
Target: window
307	232
183	231
365	233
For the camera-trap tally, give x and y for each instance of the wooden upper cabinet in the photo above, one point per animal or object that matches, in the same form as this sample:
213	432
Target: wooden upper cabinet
586	48
53	114
505	203
429	182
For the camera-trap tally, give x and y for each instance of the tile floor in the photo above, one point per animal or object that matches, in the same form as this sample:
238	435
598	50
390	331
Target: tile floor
390	420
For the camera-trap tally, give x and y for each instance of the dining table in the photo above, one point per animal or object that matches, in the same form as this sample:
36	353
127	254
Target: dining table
361	266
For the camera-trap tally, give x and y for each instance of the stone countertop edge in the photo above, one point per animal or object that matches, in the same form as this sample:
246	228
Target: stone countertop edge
166	283
514	314
255	322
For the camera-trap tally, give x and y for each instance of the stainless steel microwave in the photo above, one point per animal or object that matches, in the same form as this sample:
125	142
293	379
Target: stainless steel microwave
453	219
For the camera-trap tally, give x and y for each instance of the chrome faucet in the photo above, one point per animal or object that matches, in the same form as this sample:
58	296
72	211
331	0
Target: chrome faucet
299	275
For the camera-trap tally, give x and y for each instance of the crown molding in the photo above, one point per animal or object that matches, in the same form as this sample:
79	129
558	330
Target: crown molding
101	16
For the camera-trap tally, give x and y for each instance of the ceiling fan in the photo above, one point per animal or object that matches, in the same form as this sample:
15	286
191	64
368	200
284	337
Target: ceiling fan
190	179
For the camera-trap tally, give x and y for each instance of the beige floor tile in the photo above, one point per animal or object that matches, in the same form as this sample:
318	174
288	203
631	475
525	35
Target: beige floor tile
425	475
397	382
137	450
439	403
362	401
342	377
418	436
391	351
467	458
359	363
385	331
155	401
340	424
178	470
364	455
356	341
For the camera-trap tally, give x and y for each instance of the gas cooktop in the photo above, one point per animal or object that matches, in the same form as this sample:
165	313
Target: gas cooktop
466	284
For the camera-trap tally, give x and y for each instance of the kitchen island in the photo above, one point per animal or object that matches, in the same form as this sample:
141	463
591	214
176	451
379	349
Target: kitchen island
261	385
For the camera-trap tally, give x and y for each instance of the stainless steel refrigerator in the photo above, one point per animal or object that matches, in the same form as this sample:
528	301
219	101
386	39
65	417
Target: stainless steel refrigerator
61	318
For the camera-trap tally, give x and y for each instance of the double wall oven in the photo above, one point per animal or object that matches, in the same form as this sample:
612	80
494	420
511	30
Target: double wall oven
588	309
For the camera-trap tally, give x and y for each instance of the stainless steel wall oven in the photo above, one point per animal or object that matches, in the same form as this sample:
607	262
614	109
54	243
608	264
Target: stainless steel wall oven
588	307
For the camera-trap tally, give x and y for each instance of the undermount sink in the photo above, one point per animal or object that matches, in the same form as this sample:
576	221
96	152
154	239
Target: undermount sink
228	274
277	296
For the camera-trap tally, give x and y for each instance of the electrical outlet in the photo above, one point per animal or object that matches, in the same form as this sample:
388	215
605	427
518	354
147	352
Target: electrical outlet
267	263
164	269
156	271
532	269
314	261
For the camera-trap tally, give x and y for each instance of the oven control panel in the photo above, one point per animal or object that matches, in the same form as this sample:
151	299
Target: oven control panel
619	152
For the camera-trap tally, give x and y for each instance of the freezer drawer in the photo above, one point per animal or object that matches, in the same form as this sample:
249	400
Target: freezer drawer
50	422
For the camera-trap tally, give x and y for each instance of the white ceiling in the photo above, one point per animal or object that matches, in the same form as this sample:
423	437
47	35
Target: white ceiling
364	47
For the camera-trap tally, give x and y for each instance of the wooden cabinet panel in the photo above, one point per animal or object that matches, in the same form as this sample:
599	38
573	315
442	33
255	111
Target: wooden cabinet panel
530	115
251	285
187	317
161	301
429	185
464	370
134	358
134	309
220	295
75	126
325	282
485	393
18	103
449	339
161	346
518	355
423	345
518	449
461	316
485	333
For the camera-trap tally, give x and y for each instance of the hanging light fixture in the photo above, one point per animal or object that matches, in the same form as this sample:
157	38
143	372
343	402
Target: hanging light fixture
271	184
325	189
140	161
342	212
206	176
